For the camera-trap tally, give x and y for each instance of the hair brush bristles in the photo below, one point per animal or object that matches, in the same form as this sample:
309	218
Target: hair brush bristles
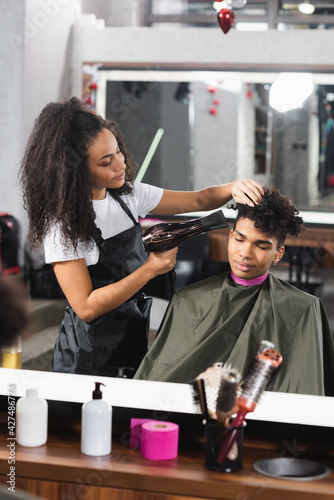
258	377
212	378
227	394
200	397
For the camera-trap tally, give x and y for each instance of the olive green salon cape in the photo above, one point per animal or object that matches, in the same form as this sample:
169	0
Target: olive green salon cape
219	320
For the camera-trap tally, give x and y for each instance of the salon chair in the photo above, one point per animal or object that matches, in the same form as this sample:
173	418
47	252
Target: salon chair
40	277
214	267
188	268
302	260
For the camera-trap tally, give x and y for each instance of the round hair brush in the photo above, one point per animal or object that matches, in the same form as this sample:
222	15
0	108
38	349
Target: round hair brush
227	394
264	345
256	381
210	381
218	385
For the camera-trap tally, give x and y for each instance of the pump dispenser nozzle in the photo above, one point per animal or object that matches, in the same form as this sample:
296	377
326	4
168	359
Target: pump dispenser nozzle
97	393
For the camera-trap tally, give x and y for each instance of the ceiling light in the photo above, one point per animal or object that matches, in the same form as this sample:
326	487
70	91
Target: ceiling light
289	91
306	8
220	5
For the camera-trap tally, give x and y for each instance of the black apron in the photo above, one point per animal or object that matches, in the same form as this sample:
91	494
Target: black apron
114	344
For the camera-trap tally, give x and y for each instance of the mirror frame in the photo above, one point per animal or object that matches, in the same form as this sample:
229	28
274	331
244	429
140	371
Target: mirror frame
161	398
144	49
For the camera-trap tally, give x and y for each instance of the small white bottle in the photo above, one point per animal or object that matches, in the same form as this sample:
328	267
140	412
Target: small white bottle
31	419
96	421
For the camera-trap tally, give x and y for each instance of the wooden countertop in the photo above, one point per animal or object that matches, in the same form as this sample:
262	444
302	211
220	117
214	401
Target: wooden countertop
60	462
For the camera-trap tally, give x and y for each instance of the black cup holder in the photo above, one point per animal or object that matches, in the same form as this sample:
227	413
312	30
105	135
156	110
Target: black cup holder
295	469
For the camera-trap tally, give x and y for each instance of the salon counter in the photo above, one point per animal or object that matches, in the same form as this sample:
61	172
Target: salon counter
58	470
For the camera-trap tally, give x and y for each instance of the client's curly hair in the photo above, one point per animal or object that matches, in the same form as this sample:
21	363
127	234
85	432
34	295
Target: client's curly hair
275	214
54	172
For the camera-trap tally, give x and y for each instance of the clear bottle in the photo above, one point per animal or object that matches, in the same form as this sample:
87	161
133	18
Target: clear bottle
96	421
167	235
31	419
11	355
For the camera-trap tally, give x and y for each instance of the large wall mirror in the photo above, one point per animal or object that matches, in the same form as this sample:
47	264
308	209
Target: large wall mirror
192	129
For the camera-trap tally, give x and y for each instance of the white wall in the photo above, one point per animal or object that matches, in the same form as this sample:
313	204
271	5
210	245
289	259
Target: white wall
302	49
215	136
34	69
246	134
313	151
11	100
47	74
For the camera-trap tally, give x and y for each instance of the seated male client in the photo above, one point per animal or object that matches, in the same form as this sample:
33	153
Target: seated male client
224	318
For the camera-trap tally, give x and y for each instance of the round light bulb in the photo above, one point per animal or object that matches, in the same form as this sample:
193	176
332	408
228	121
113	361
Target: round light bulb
306	8
236	4
220	5
289	91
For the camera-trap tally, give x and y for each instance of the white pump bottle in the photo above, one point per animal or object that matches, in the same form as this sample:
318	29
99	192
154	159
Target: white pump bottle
96	421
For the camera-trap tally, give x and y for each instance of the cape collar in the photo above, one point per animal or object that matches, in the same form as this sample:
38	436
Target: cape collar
252	282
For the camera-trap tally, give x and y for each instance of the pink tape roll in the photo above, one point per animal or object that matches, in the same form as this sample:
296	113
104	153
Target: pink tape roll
159	440
135	431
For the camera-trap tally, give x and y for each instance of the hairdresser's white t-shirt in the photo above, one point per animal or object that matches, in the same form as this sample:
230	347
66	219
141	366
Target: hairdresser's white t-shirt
110	218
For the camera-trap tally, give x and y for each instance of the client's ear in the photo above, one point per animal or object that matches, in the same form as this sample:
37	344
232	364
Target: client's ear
278	254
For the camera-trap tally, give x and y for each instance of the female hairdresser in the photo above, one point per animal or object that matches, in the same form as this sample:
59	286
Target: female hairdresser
78	183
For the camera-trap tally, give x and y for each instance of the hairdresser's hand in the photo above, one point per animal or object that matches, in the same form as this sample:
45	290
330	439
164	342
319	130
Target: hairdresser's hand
161	262
247	192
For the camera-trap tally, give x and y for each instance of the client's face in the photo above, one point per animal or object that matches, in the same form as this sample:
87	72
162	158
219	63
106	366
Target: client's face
250	251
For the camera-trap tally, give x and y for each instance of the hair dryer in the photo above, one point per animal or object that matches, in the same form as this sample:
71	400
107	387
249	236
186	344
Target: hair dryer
167	235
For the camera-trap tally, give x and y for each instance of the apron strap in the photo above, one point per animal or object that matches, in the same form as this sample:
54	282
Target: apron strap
101	242
123	205
98	234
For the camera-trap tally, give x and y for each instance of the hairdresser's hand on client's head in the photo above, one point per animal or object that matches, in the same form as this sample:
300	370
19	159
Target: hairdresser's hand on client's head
247	192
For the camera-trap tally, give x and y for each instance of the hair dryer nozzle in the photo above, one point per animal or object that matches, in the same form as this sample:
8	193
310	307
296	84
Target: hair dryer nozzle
216	220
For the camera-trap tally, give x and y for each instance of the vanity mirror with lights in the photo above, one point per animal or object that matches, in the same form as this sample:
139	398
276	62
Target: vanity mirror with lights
172	122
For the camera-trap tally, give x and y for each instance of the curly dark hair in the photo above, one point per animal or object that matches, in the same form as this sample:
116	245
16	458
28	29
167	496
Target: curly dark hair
275	215
54	171
14	313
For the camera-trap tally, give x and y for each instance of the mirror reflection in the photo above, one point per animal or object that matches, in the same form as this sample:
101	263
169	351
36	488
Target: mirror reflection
257	140
226	317
275	128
